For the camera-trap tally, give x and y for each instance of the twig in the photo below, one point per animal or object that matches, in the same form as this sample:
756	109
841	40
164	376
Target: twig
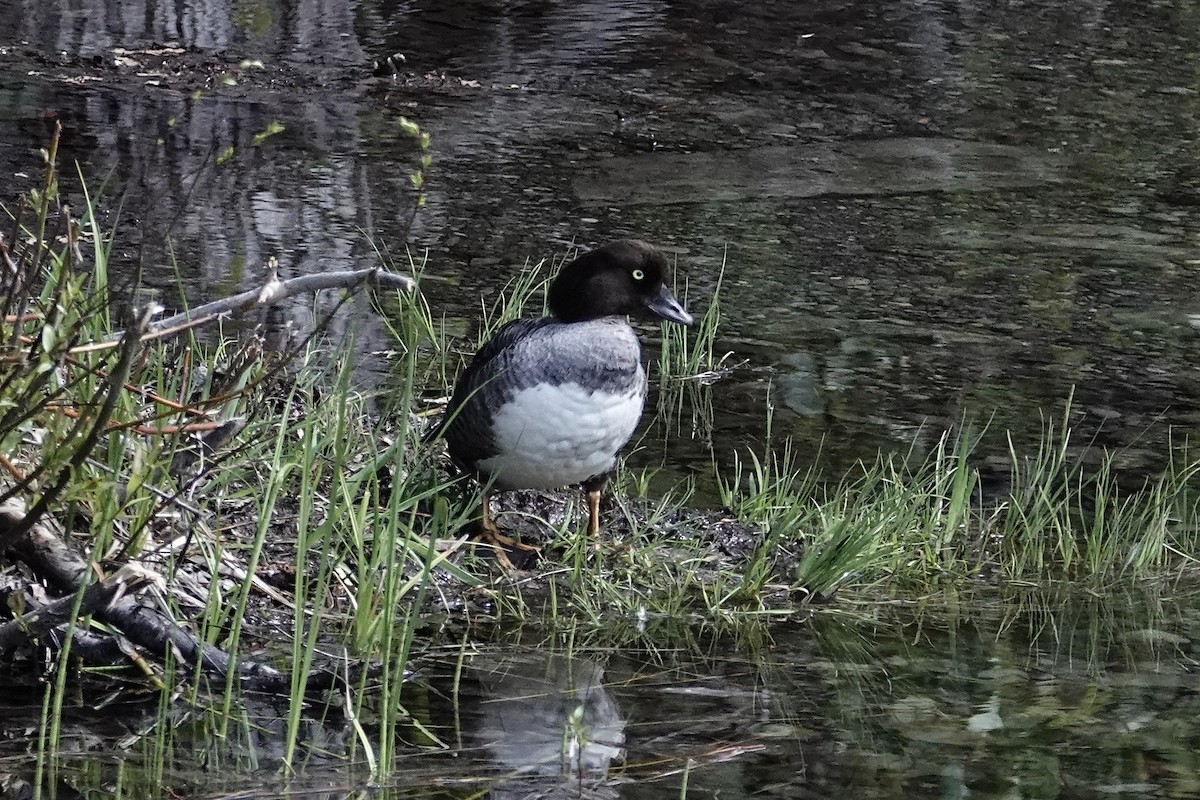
146	430
35	624
269	294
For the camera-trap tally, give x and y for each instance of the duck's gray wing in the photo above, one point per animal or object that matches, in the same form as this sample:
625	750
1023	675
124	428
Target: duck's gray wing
481	389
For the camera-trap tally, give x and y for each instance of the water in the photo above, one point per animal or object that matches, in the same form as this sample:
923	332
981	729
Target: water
965	696
926	211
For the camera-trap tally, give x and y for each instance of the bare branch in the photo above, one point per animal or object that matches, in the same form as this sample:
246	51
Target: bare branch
272	292
36	624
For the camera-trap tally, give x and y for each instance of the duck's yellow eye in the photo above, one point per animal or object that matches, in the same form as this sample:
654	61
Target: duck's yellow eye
638	275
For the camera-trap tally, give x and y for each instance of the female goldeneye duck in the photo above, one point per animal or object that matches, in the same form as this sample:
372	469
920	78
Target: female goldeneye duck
550	402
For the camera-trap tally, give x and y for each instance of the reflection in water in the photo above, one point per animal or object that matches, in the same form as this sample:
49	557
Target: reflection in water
284	29
548	716
956	696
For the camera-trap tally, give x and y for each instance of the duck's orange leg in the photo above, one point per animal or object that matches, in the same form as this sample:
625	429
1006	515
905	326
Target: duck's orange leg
593	487
593	501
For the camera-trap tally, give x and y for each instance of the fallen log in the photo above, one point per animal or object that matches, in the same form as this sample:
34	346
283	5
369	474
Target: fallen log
36	624
51	558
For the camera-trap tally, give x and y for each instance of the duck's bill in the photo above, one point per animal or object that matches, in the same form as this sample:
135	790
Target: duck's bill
667	307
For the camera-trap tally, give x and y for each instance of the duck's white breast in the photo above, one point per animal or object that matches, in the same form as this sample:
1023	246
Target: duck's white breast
551	435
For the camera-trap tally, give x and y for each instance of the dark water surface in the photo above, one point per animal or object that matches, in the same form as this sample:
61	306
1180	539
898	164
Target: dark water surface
926	210
981	698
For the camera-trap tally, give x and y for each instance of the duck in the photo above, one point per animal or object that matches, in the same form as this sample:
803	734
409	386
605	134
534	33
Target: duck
551	401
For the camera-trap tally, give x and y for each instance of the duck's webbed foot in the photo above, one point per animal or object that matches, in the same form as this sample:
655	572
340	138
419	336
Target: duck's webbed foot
489	533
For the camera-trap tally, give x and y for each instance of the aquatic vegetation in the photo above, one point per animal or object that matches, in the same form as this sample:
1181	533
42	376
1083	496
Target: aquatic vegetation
924	522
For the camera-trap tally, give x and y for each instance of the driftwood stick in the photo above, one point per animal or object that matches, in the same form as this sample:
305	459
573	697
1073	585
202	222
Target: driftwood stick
51	557
146	626
35	624
269	294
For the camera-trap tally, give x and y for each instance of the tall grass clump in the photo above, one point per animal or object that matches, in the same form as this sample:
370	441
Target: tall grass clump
920	521
276	512
690	354
817	538
1093	523
77	435
524	294
688	366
